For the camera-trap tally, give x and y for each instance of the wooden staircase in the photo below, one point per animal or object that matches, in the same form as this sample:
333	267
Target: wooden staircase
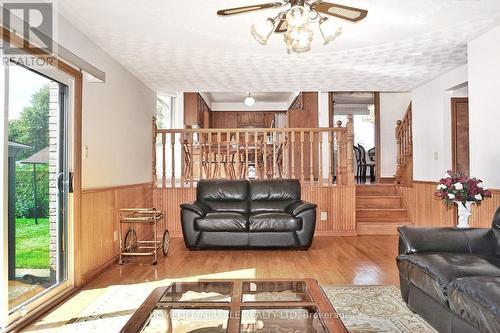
379	210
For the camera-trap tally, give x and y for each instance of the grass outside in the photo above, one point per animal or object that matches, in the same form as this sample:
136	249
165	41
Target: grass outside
32	243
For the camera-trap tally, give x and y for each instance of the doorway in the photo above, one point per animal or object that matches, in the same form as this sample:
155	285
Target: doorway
38	189
365	109
460	135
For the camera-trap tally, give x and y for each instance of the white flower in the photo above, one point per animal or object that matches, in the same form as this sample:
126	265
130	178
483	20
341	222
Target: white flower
447	175
458	186
480	184
441	187
451	196
478	197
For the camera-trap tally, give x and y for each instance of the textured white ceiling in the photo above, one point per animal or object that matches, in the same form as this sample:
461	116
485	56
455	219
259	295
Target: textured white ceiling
185	46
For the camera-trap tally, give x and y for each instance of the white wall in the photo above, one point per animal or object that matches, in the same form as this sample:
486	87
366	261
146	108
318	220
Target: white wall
392	108
323	118
484	114
116	118
432	124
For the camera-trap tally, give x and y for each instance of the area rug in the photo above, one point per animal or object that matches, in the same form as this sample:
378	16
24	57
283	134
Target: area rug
367	309
363	309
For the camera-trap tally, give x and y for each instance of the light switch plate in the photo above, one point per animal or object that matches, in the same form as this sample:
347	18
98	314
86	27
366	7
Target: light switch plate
115	236
324	216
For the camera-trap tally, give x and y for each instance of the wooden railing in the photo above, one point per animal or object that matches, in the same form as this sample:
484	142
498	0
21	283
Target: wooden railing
316	156
404	141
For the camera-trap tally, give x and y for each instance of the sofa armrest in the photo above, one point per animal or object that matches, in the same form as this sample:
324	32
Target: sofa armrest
300	206
470	241
197	207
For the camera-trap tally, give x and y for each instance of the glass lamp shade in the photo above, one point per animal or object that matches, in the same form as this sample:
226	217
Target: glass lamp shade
249	101
328	30
261	31
299	39
297	16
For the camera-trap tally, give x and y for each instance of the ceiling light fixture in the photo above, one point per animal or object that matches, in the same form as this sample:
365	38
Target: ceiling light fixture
261	31
249	100
296	22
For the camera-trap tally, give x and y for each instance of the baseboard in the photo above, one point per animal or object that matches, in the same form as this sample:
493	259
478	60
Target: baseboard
345	233
378	228
95	272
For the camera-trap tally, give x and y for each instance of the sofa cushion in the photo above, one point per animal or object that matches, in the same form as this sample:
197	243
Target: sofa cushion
222	221
224	195
477	300
273	195
274	221
432	272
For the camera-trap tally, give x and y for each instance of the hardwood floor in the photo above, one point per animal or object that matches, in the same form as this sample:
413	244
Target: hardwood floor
362	260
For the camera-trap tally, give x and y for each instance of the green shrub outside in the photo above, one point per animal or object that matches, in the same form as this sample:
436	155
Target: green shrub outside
24	190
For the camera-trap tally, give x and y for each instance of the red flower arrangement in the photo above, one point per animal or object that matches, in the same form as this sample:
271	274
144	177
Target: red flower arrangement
456	187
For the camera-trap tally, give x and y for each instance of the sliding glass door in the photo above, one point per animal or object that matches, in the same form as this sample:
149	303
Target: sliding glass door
39	185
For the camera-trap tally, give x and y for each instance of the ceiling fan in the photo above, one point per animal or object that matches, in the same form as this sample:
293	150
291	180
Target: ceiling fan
295	21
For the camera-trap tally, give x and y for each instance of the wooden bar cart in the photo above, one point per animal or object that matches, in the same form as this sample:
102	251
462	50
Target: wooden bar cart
130	245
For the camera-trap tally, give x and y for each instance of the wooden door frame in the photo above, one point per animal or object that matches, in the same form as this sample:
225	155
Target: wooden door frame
376	101
454	102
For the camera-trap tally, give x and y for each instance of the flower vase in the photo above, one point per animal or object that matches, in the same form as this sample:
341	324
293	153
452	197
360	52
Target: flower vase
464	212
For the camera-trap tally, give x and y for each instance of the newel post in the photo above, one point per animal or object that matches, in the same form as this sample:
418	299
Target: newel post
153	134
350	144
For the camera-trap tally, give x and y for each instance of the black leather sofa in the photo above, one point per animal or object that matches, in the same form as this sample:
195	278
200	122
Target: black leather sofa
451	277
248	214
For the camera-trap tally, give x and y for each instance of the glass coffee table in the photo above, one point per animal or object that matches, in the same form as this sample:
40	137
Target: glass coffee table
237	306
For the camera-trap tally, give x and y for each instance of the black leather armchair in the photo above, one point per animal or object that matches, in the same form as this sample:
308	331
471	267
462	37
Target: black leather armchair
451	277
248	214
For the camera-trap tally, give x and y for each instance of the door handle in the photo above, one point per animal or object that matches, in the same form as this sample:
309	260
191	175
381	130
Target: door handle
60	182
70	185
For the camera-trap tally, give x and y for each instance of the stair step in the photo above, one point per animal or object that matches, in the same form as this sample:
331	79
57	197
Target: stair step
384	215
377	228
367	190
386	201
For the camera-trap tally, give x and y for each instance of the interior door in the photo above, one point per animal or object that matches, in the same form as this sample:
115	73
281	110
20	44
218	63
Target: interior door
460	134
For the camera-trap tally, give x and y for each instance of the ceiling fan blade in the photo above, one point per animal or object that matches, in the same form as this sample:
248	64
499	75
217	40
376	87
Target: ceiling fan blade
344	12
246	9
282	26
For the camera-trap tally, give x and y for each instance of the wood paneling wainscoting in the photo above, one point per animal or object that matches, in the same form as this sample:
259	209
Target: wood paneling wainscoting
483	215
168	201
427	210
337	201
98	250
